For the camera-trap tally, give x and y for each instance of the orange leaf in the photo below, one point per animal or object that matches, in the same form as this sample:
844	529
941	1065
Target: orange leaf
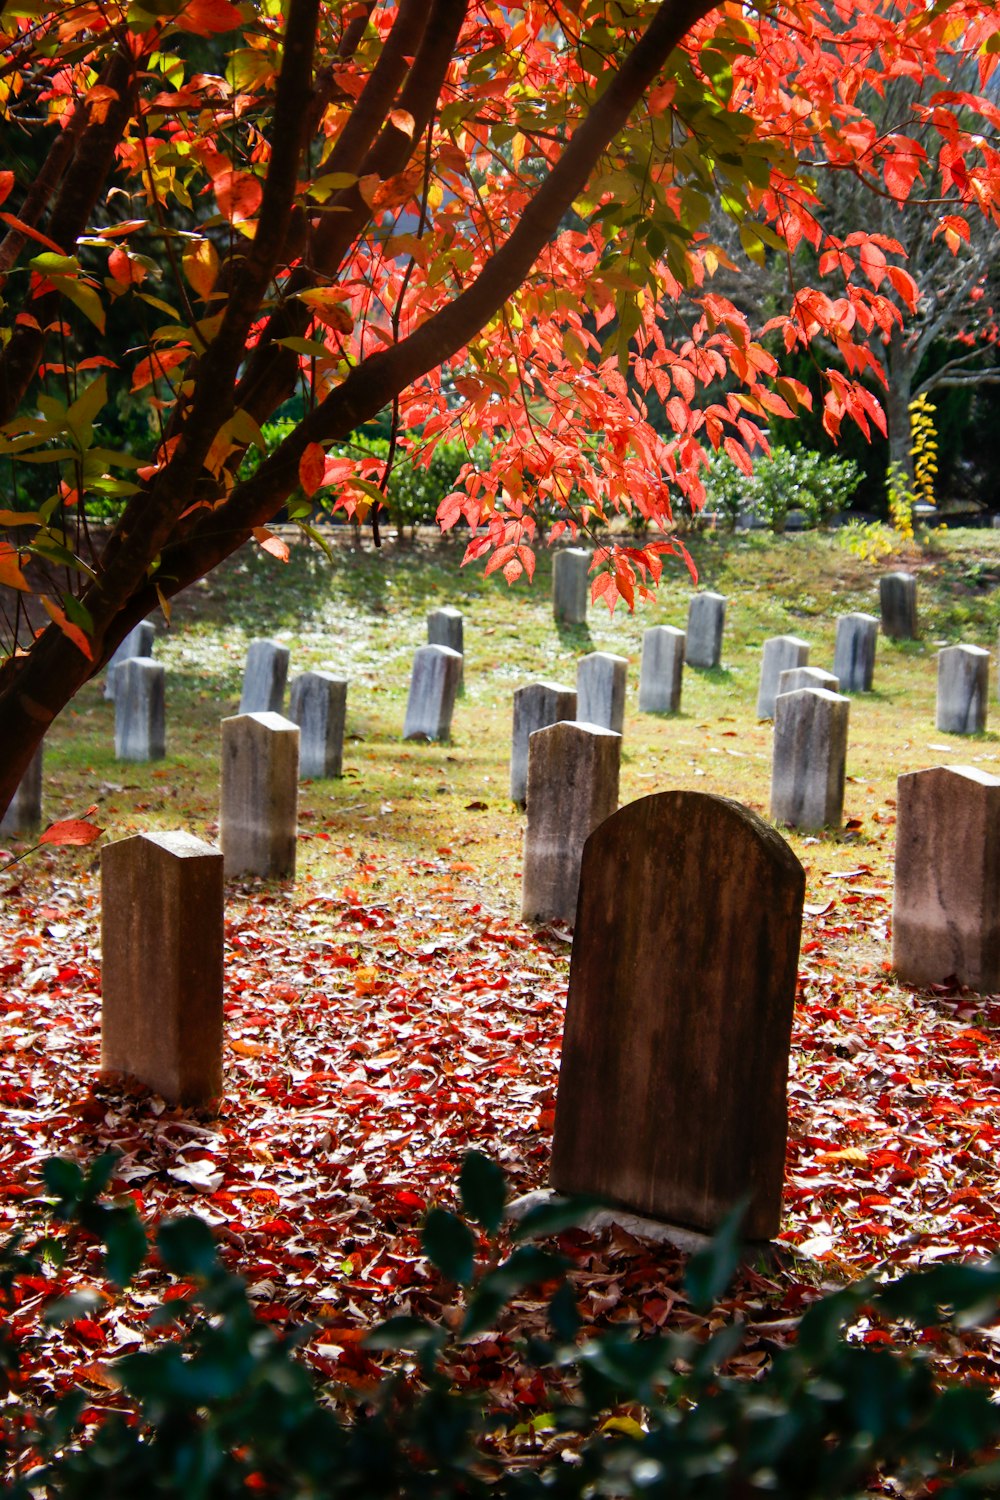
271	543
124	269
10	568
71	831
238	195
312	468
71	631
201	266
206	17
6	183
35	234
404	121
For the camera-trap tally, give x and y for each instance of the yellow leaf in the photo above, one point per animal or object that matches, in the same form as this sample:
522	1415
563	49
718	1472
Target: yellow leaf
628	1425
201	266
404	121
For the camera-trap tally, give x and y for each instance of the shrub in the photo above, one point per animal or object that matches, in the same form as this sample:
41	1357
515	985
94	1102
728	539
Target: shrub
226	1407
790	479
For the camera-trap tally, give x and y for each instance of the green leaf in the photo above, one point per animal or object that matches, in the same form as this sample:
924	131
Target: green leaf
124	1244
483	1191
81	414
711	1270
404	1333
449	1245
313	347
82	296
553	1216
186	1246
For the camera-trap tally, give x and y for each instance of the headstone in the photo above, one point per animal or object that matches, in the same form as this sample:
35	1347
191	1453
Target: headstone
571	585
795	678
25	810
138	642
260	775
536	706
572	787
810	758
140	709
662	670
433	689
854	653
318	705
963	689
446	627
600	690
946	899
672	1086
705	624
898	599
780	654
264	678
161	971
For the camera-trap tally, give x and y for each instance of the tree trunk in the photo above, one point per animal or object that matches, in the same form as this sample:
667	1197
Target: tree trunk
899	370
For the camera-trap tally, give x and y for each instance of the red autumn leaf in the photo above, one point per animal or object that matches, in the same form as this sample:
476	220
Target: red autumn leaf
238	195
33	234
209	17
312	468
71	831
6	184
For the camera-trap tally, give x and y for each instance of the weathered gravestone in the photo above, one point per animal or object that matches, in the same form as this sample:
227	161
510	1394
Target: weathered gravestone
264	678
963	689
796	678
672	1087
946	899
536	706
573	773
161	969
780	654
661	672
433	690
571	585
446	627
317	703
854	652
809	759
705	624
138	642
898	600
600	690
140	709
25	811
260	786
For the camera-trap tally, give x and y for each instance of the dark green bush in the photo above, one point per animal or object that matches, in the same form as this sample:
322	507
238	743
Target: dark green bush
226	1407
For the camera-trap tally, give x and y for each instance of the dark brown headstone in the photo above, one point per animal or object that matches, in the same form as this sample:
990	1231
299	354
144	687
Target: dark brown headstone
672	1091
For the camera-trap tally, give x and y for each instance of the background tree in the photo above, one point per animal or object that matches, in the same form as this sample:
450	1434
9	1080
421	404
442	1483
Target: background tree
367	205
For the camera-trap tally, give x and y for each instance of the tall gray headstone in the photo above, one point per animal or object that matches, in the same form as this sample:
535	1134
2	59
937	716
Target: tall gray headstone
433	689
673	1080
138	642
572	787
571	585
963	689
807	677
810	758
25	811
661	672
600	690
946	897
536	706
898	600
705	624
854	652
264	678
260	788
140	709
446	627
318	705
780	654
161	971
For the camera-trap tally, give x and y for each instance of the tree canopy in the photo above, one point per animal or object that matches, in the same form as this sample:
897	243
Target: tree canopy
493	220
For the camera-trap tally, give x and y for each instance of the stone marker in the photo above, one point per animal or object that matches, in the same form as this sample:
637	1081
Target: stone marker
946	899
572	786
854	653
25	810
138	642
140	709
161	970
600	690
810	758
318	705
898	598
703	639
535	707
963	689
780	654
672	1086
795	678
571	585
260	776
264	678
662	670
433	689
446	627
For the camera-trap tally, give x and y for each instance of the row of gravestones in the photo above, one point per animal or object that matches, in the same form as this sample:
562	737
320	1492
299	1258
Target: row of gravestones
666	1107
